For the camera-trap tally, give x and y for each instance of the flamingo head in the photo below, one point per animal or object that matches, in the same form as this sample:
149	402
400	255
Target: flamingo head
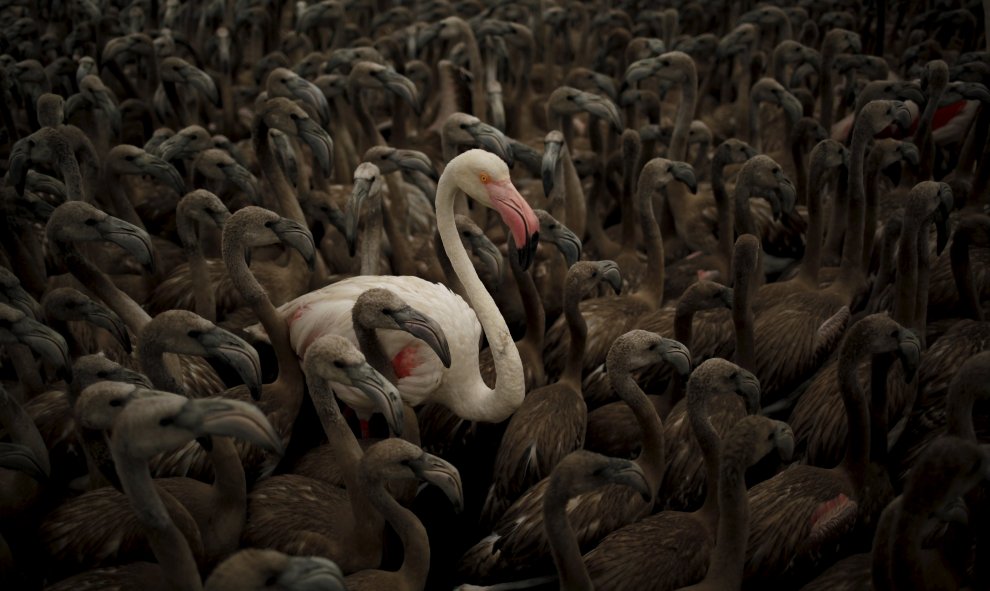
485	178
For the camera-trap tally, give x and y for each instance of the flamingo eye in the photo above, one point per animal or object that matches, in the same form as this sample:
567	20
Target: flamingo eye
484	178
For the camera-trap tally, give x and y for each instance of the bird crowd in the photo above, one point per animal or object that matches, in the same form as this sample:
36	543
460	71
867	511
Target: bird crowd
494	294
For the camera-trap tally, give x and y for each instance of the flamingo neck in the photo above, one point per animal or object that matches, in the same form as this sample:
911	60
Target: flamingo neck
726	231
415	541
742	318
812	261
171	549
729	554
288	205
708	440
962	275
129	311
651	288
486	404
653	458
857	417
563	543
851	273
228	497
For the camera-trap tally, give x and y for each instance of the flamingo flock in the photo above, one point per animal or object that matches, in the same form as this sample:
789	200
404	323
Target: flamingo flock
353	295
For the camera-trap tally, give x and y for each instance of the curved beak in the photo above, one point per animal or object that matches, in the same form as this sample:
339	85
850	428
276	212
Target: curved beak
606	85
237	354
441	474
908	91
518	216
493	140
286	155
748	386
381	392
567	243
640	70
548	165
129	237
425	329
974	91
310	94
677	355
174	147
14	456
311	573
297	236
415	160
903	116
600	107
243	180
489	254
108	320
47	343
202	82
319	142
43	183
230	418
909	352
783	439
401	86
787	195
161	170
792	107
611	274
684	172
20	299
630	474
909	153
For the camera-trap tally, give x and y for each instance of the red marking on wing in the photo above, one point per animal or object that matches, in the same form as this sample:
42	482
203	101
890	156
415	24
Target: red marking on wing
828	507
947	113
405	361
300	311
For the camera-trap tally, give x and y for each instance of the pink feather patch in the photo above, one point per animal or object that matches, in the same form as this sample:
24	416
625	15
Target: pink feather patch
405	361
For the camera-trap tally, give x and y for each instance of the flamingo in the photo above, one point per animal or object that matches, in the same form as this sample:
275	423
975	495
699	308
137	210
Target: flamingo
422	377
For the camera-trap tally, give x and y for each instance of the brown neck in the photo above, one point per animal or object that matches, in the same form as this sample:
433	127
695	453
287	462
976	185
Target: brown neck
653	458
729	554
415	542
726	231
228	497
812	261
851	274
563	543
651	288
708	440
129	311
742	317
857	417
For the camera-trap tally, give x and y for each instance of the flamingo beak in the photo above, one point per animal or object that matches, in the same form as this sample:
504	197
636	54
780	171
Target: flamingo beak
14	456
236	353
381	392
518	216
443	475
425	329
631	475
230	418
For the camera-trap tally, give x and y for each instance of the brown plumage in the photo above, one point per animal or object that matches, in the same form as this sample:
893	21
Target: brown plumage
581	472
609	317
670	549
398	459
550	423
252	227
150	425
518	543
825	505
305	516
256	570
946	470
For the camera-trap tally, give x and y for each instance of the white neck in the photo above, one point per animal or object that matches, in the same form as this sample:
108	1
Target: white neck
493	405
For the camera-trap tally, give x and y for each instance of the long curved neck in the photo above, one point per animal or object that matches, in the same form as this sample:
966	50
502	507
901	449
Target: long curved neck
415	541
742	318
371	346
744	219
729	555
348	453
509	387
829	52
188	229
578	328
857	417
395	222
907	271
170	547
288	205
479	103
564	546
651	287
685	113
708	440
151	354
605	245
851	273
726	231
575	208
879	369
531	345
129	311
872	183
812	261
370	242
371	135
228	497
123	208
289	373
923	135
742	99
653	458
